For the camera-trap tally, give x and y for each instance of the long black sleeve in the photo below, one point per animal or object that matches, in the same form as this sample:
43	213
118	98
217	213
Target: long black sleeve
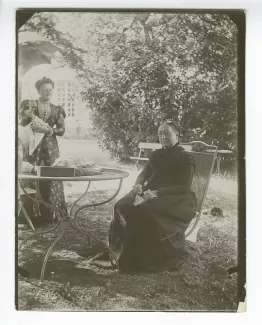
145	174
60	125
184	184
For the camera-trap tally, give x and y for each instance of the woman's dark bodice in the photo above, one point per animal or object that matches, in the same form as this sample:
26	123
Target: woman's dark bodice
48	150
168	170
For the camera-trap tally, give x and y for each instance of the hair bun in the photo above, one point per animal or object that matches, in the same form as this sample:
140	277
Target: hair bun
42	81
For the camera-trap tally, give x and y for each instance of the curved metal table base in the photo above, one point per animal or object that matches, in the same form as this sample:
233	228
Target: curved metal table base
65	221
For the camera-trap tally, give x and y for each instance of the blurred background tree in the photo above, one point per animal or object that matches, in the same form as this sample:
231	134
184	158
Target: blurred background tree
138	69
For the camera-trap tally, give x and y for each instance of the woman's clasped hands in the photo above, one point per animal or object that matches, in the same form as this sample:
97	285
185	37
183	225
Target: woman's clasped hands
138	189
147	195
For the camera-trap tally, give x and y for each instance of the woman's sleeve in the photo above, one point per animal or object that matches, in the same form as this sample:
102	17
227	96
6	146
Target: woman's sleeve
186	178
23	119
147	171
60	125
145	174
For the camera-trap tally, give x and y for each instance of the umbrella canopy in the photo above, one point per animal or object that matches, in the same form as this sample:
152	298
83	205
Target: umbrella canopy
33	50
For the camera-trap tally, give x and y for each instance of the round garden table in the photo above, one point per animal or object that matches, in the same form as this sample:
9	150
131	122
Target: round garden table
70	219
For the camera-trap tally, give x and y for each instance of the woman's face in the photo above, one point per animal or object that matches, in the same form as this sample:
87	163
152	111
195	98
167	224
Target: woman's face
46	91
167	136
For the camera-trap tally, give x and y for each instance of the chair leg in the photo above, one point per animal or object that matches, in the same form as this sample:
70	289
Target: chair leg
193	236
193	231
218	165
21	207
135	167
139	155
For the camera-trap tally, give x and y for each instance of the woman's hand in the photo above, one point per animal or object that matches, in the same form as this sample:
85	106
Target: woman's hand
50	132
149	195
138	189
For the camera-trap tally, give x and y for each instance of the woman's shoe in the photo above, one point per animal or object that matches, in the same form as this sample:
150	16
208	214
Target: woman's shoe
104	256
102	264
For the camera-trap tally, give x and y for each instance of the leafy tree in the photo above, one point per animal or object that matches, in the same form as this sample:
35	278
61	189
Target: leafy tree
139	69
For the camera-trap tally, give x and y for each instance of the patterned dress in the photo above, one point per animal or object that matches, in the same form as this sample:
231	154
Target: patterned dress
47	152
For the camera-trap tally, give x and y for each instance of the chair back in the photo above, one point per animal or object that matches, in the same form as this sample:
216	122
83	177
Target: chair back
205	156
149	145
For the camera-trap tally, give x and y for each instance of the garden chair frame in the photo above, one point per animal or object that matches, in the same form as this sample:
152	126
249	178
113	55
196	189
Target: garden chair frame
208	153
22	208
148	146
206	150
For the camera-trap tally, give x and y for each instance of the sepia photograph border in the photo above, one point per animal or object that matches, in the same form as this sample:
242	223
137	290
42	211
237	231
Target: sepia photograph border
238	17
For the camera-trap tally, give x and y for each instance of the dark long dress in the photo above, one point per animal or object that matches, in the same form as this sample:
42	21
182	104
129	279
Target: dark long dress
152	235
45	154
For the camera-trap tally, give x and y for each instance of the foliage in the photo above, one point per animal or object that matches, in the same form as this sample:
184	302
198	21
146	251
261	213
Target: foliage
139	69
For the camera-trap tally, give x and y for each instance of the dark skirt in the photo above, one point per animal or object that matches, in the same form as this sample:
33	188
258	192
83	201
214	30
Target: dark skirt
151	235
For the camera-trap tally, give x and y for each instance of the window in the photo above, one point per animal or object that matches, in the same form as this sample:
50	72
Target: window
69	114
73	114
69	109
69	104
73	109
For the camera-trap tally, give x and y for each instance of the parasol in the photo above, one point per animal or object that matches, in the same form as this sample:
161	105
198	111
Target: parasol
34	49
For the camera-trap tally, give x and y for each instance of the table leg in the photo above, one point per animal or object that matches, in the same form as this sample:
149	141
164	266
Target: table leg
94	205
74	204
73	222
61	221
48	254
64	220
218	165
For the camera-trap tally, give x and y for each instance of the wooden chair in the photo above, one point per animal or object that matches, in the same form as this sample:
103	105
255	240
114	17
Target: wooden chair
205	159
147	146
205	156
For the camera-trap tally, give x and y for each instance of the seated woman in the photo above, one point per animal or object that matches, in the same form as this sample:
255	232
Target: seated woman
151	235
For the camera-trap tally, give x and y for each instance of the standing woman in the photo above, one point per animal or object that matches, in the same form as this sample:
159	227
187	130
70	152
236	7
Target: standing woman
47	151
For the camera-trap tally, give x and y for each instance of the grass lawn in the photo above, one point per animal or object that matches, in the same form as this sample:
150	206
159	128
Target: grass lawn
201	284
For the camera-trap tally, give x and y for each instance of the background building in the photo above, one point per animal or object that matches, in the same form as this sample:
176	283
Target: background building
66	94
